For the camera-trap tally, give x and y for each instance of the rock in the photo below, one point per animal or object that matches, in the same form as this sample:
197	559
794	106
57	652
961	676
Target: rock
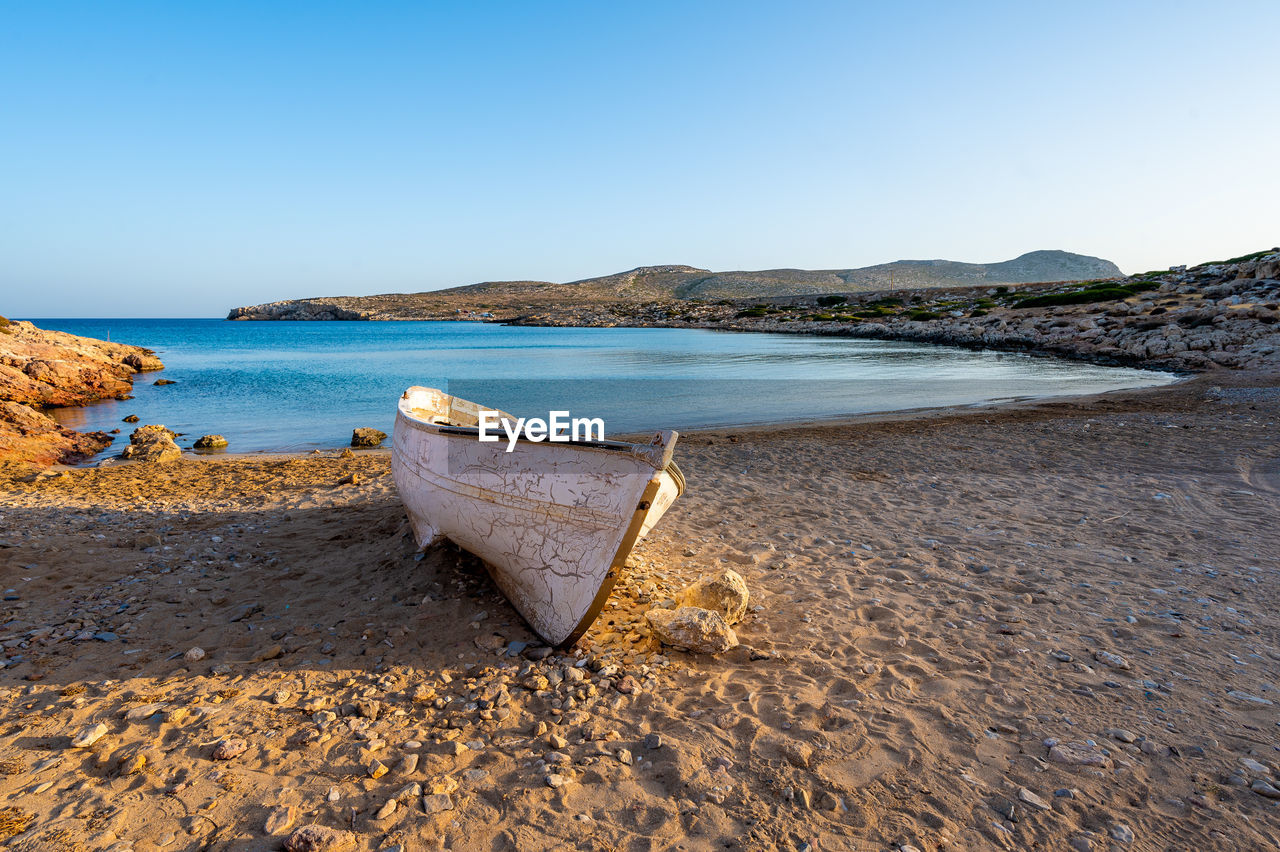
437	803
408	764
319	838
163	382
692	629
229	749
1114	661
555	779
652	741
152	444
624	757
193	655
1246	698
279	819
1078	754
724	593
1122	833
557	742
1027	797
89	735
367	437
350	479
210	442
132	418
377	768
1262	788
387	809
1121	734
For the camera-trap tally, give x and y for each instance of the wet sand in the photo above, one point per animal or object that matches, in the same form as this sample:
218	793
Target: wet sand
1050	625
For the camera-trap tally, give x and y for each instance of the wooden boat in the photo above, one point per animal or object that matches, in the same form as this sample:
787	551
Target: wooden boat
553	522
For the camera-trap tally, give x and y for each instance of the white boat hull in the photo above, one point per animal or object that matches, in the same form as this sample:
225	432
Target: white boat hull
553	522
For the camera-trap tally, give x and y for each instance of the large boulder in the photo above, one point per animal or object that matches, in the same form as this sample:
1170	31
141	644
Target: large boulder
152	443
210	442
692	628
367	437
725	593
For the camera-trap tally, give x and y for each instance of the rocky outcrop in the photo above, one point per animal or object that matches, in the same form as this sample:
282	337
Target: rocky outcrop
724	593
367	437
210	442
691	628
302	309
152	444
42	369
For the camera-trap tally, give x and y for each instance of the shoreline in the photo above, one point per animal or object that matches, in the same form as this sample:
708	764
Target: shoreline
892	415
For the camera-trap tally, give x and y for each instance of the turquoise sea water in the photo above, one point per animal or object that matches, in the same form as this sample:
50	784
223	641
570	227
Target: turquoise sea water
287	386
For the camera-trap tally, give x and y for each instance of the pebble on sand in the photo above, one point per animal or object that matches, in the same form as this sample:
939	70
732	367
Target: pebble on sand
229	749
194	655
89	735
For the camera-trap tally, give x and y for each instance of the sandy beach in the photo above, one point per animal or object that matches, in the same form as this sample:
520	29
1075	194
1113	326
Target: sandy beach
1048	625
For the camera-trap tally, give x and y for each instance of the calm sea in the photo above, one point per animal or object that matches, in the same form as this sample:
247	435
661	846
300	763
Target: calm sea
287	386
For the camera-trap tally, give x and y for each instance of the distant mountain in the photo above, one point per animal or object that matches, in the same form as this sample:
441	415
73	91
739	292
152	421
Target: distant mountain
662	283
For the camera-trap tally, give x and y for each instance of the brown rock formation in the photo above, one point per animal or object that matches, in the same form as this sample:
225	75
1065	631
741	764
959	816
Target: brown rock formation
44	369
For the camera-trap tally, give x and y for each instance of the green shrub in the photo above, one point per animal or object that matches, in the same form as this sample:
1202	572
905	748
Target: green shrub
751	312
1094	291
978	313
921	314
5	326
831	301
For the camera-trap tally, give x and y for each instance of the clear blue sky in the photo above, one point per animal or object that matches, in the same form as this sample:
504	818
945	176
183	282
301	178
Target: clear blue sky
178	159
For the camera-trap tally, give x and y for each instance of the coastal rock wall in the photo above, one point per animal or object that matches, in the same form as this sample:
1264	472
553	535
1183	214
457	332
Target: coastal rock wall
43	369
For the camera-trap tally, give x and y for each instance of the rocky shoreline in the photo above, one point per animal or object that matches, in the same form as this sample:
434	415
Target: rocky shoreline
1184	320
42	369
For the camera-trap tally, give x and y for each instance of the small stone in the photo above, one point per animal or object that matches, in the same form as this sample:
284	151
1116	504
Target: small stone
281	696
1262	788
624	756
377	768
475	776
387	809
89	735
1254	766
194	655
1122	833
132	418
333	795
652	741
408	764
279	819
1114	661
229	748
1121	734
557	742
556	780
319	838
1078	754
1080	843
1027	797
437	802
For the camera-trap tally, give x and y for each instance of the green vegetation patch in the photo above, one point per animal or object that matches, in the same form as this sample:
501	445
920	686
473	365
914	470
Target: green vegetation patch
5	326
831	301
920	315
1093	291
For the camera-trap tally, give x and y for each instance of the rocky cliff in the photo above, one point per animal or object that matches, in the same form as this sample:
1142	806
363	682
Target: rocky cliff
42	369
504	300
